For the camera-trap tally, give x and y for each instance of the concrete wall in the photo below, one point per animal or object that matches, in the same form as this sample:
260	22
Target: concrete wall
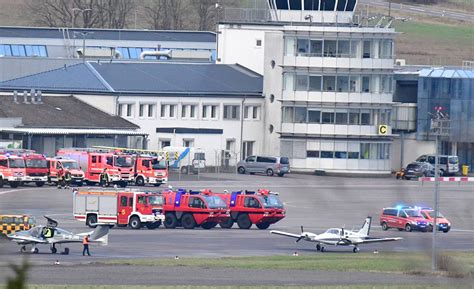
412	149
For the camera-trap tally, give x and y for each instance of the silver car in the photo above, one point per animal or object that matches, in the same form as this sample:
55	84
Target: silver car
265	165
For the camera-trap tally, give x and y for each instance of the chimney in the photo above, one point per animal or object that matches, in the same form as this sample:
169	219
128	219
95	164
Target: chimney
39	96
15	96
33	96
25	97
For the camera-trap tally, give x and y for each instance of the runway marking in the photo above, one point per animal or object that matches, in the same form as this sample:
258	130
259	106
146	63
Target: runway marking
12	191
418	9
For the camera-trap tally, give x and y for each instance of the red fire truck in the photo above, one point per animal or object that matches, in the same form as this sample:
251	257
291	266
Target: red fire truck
12	170
191	209
148	166
94	161
261	208
150	170
120	208
55	164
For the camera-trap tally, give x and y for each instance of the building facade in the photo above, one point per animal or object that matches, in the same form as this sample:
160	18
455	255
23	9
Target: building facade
327	84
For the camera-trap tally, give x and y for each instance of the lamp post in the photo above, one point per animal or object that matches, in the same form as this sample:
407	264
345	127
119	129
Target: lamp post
84	34
440	125
74	10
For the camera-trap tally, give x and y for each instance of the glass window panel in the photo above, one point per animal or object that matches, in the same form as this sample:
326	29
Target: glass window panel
16	50
364	151
302	47
341	117
373	151
141	110
351	5
300	114
213	111
341	5
343	48
327	117
327	154
316	48
314	83
343	83
172	109
295	5
301	82
288	113
314	116
192	111
354	116
134	52
367	49
282	4
340	155
328	5
204	111
366	83
311	5
353	155
329	83
255	112
330	48
290	43
151	110
124	52
355	48
365	117
163	110
312	154
289	81
183	111
29	50
354	83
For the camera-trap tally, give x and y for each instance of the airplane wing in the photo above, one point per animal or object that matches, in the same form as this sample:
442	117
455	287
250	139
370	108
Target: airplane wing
27	239
285	234
371	240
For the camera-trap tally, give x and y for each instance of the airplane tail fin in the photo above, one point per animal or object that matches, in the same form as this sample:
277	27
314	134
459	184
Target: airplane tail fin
365	230
99	233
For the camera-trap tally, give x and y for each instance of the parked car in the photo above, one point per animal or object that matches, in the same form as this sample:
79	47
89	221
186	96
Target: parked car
419	169
448	165
265	165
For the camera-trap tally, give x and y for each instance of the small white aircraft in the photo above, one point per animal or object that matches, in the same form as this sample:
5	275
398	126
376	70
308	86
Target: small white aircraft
52	235
338	237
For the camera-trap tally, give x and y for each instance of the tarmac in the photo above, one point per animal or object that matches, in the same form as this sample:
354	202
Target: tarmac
315	202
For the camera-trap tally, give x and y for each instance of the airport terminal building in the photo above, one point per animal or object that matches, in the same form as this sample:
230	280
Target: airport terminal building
327	83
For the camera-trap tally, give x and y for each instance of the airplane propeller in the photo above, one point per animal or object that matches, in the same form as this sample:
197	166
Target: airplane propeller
301	236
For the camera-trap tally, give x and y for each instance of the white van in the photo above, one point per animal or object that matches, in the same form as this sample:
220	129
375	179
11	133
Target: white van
448	165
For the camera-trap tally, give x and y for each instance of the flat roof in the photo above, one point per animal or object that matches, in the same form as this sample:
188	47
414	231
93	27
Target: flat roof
110	34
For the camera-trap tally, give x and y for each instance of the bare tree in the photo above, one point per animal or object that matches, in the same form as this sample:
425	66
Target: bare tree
165	14
206	13
81	13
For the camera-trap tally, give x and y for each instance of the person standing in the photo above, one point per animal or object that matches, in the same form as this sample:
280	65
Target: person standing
104	178
85	243
61	178
67	179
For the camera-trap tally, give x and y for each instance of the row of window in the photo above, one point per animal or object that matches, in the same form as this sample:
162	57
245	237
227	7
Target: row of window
340	83
190	111
341	48
23	50
372	151
335	116
314	5
134	52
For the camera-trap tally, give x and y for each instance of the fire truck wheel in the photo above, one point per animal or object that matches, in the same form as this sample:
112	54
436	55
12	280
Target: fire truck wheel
14	184
39	184
263	226
188	221
91	219
269	172
227	223
170	221
140	181
243	221
153	225
1	182
208	225
184	170
135	223
241	170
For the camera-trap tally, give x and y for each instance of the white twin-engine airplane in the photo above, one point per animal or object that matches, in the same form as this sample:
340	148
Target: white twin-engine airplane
338	237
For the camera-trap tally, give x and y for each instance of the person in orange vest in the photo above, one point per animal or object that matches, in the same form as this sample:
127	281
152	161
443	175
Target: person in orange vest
85	243
61	178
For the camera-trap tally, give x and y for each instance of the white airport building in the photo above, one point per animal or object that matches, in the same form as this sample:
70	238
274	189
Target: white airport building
327	83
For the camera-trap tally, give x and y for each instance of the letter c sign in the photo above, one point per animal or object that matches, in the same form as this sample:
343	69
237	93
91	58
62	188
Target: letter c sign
383	129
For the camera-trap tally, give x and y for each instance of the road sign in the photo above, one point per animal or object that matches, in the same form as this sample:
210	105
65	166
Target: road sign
383	129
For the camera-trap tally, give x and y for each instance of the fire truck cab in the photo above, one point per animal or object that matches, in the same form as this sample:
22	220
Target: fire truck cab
12	170
36	168
150	170
261	208
191	209
119	168
121	208
55	164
